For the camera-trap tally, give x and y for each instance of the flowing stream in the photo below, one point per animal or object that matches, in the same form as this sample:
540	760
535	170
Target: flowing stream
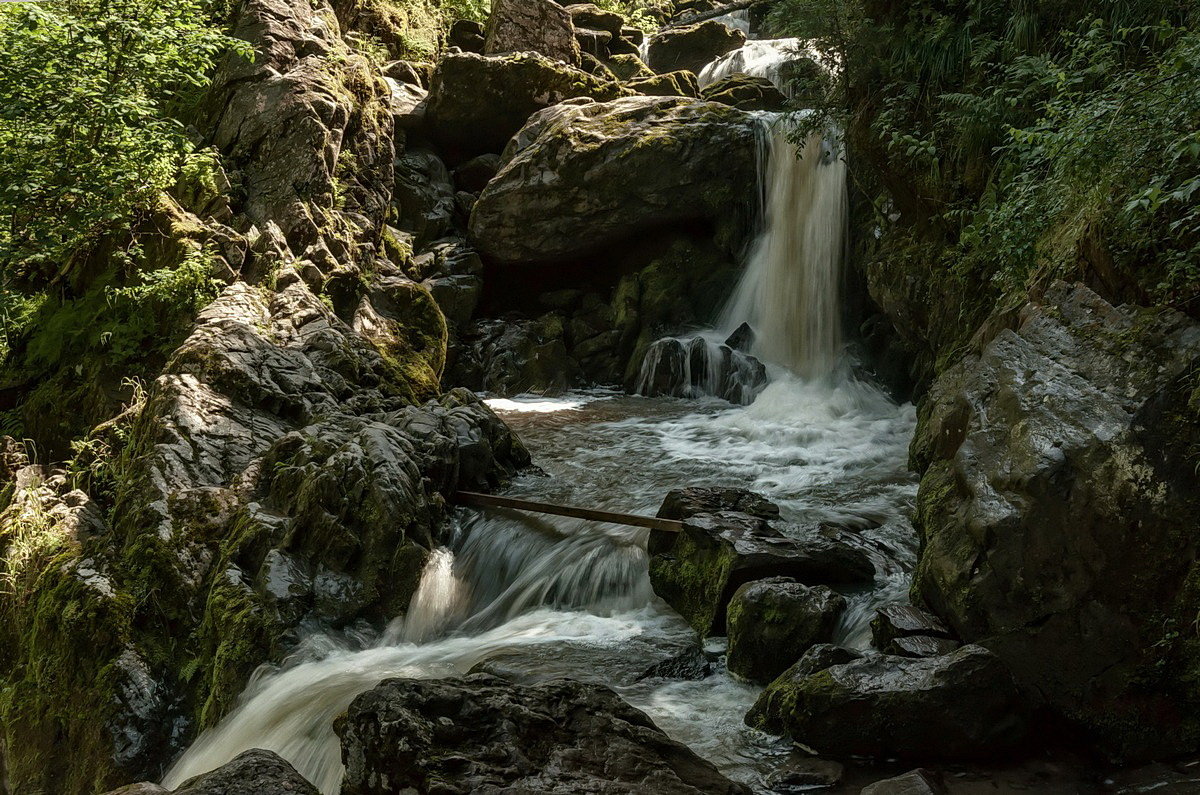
537	597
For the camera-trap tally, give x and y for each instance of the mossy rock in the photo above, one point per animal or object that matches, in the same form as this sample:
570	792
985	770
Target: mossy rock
681	83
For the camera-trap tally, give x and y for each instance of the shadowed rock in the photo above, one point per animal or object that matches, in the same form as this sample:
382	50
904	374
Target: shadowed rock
772	622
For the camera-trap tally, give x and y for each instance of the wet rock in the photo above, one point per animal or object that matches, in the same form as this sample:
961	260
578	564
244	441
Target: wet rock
772	622
960	706
914	782
618	166
805	774
539	26
468	35
746	92
476	102
681	83
688	502
692	47
407	104
482	733
141	788
698	569
1039	455
691	664
742	338
255	772
457	297
593	43
697	368
909	631
920	646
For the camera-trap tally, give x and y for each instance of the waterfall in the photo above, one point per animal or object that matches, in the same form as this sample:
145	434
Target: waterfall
789	291
759	58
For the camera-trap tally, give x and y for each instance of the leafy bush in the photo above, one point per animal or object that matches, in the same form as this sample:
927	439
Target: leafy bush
84	124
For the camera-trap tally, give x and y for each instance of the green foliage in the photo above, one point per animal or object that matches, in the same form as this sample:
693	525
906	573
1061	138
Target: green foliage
85	90
476	10
1027	141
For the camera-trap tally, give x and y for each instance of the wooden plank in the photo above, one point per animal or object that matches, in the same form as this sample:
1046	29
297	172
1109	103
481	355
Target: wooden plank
477	500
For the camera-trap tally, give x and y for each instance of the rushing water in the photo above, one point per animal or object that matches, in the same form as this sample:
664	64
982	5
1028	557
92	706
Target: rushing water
536	597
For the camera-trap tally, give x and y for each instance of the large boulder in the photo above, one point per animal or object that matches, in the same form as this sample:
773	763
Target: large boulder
746	92
960	706
698	569
692	47
477	102
772	622
1059	512
254	772
485	734
582	176
538	26
698	367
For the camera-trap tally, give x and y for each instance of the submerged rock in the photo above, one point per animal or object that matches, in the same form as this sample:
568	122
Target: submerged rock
617	167
1060	516
698	569
772	622
692	47
960	706
481	733
691	664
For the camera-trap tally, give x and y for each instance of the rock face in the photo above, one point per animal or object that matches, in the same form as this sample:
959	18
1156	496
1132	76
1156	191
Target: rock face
961	706
692	47
482	733
582	176
698	569
531	26
477	102
1059	512
772	622
255	772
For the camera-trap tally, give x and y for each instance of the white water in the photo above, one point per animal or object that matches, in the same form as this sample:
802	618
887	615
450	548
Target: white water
759	58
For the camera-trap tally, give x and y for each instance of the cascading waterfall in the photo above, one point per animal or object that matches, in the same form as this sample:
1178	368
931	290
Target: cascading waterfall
767	58
789	292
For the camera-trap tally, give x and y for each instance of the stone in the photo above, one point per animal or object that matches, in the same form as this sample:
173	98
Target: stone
746	92
634	163
255	772
407	104
628	67
772	622
902	621
467	35
914	782
805	774
477	102
424	195
694	368
688	502
691	664
961	706
692	47
742	338
698	569
920	646
1039	454
539	26
483	733
593	43
457	297
681	83
589	15
515	355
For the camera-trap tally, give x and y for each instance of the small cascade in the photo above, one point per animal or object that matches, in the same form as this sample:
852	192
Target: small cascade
789	292
769	58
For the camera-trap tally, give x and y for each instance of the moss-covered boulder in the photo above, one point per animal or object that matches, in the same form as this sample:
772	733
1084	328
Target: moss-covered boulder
692	47
680	83
628	67
477	102
746	92
960	706
619	168
698	569
771	623
1060	516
